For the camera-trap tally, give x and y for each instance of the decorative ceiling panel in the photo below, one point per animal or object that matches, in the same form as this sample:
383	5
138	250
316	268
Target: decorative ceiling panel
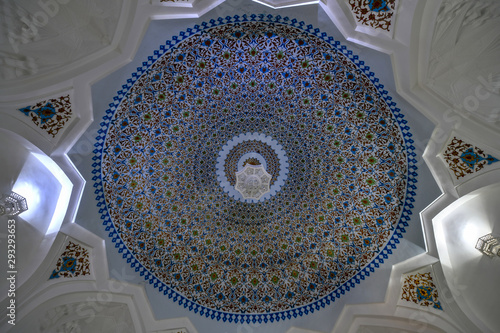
377	14
419	288
50	115
463	66
40	37
464	159
73	262
339	210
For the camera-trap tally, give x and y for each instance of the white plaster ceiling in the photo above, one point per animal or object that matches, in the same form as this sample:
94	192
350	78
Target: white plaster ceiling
78	317
472	276
401	60
30	173
463	67
40	37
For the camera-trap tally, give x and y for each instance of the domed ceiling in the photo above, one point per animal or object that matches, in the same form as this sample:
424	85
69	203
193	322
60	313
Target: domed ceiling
254	91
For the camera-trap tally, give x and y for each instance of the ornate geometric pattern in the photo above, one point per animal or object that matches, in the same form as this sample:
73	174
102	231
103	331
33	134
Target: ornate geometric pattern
464	159
251	161
73	262
264	149
420	289
261	148
50	115
338	215
253	181
374	13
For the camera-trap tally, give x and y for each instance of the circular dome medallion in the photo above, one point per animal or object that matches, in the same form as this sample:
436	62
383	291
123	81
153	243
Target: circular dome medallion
346	187
253	181
241	149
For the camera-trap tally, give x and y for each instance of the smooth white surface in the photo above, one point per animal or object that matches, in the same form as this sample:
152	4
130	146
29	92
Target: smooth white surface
30	173
471	276
46	189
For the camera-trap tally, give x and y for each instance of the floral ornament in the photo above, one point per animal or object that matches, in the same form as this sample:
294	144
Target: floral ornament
374	13
379	5
464	159
74	261
50	115
420	289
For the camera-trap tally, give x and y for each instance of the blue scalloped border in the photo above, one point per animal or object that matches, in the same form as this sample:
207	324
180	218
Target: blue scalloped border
274	316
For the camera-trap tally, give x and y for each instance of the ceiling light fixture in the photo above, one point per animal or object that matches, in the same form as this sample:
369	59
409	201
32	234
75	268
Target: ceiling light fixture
12	204
489	245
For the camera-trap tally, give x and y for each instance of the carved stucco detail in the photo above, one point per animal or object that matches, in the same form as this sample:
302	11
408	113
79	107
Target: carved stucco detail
42	36
87	317
463	64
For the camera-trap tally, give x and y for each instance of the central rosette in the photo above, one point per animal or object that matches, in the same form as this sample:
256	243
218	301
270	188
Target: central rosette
253	181
252	167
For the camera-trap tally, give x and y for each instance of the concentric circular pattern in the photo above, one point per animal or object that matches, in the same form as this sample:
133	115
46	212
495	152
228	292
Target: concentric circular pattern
251	161
251	146
339	206
256	145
